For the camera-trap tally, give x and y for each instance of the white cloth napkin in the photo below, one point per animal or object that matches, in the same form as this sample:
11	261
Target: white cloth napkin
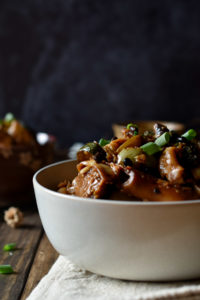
65	281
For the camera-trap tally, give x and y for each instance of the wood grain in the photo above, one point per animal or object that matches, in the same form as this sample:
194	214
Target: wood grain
27	239
45	257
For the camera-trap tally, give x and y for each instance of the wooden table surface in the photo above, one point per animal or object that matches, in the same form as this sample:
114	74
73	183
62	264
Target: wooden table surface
32	259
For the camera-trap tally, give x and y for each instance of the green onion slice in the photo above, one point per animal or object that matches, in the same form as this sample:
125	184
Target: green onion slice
9	247
150	148
103	142
135	132
131	125
9	117
163	139
190	134
6	269
129	153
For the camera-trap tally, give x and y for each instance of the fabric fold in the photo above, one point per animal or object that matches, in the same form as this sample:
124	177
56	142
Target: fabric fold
66	281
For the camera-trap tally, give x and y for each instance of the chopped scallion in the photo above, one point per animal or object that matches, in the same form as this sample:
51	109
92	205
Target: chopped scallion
150	148
133	128
163	139
129	153
190	134
9	247
103	142
131	125
9	117
6	269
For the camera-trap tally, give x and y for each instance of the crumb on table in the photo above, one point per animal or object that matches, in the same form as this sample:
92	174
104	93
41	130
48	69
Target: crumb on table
13	217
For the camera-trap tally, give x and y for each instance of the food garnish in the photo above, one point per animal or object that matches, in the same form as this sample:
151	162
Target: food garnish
133	127
190	134
150	148
9	117
163	139
103	142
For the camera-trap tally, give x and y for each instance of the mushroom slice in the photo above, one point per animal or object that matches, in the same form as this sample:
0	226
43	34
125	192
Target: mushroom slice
169	166
159	129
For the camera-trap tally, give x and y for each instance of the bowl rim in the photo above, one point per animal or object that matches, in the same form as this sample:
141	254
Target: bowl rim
104	201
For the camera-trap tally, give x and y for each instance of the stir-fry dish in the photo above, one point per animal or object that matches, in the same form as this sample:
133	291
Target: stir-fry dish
18	145
12	132
158	165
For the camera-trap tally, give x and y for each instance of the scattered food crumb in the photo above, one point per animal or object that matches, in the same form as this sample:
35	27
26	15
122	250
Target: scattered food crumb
13	217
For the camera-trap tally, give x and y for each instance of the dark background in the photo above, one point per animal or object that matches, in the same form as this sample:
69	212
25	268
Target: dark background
73	67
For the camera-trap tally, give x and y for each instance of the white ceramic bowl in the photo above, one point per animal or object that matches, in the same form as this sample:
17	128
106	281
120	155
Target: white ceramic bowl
121	239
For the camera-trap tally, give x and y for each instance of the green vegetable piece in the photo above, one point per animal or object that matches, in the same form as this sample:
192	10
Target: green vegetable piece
9	117
6	269
91	150
163	139
129	153
131	125
190	134
90	147
9	247
150	148
103	142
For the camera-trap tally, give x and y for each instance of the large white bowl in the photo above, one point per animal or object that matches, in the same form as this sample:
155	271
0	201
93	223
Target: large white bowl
121	239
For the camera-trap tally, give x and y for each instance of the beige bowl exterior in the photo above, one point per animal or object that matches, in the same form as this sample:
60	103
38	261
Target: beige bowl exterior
127	240
147	125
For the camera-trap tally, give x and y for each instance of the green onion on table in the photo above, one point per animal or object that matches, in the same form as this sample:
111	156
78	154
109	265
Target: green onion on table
9	247
6	269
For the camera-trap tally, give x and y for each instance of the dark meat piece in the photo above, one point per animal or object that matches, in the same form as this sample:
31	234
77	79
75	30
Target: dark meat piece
169	166
159	129
189	155
146	187
93	180
176	138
